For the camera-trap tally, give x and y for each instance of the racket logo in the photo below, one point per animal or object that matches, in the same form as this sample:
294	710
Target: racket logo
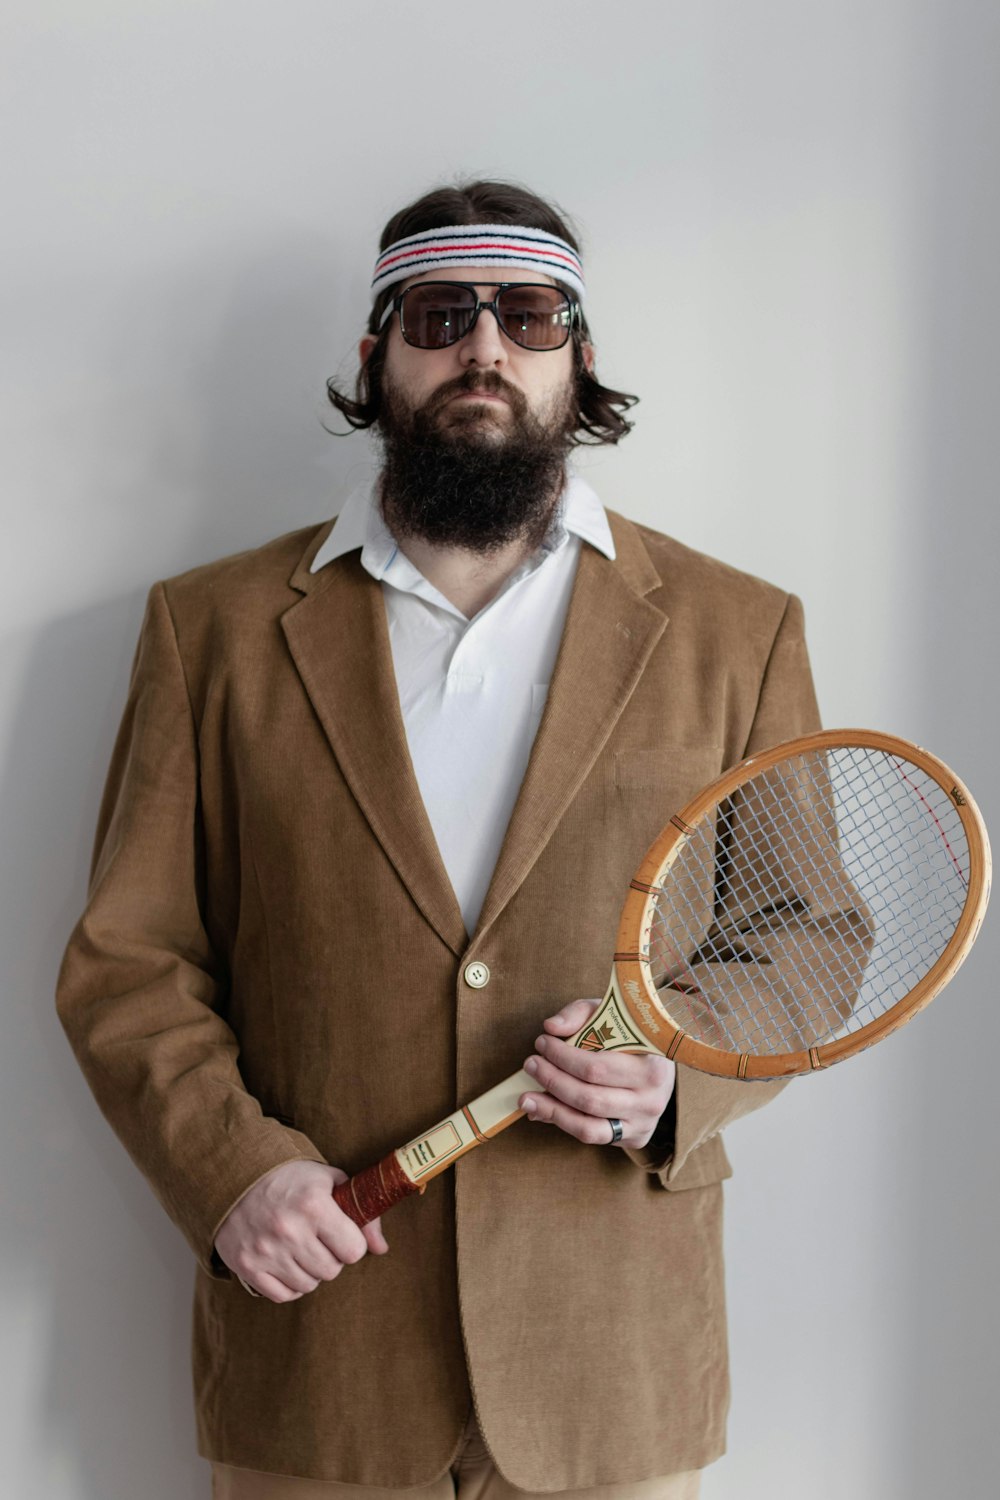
642	1005
597	1038
957	797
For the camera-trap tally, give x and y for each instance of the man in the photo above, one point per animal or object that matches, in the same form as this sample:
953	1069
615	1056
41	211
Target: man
378	791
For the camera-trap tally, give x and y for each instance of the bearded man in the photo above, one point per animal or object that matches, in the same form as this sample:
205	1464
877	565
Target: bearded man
378	792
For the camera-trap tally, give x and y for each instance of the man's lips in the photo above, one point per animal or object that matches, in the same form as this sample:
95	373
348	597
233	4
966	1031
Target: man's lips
479	396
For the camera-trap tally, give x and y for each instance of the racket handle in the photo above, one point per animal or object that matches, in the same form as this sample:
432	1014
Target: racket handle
409	1169
369	1193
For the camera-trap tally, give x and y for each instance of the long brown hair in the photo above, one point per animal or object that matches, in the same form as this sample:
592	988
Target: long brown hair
599	415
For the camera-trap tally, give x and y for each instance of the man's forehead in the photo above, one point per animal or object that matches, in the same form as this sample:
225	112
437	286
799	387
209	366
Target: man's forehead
479	275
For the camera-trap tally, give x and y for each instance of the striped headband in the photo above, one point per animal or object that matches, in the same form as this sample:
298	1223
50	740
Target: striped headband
487	244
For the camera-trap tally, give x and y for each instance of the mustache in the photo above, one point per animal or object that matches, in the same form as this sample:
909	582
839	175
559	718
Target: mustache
487	381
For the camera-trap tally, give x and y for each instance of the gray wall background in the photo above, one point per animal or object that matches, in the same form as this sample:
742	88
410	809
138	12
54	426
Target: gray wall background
791	218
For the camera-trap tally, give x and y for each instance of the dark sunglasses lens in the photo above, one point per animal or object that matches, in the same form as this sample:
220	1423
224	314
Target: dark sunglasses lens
434	316
536	317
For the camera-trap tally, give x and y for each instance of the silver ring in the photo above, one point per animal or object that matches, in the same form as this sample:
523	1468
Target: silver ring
616	1132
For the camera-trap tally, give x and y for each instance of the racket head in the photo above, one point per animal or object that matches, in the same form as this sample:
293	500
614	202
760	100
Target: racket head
803	906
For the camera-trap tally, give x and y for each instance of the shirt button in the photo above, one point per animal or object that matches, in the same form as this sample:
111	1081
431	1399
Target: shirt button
477	975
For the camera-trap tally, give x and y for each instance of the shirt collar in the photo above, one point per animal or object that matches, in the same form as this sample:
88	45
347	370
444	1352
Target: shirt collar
360	524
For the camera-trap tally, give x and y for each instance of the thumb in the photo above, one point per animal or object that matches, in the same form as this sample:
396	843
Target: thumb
372	1231
376	1240
572	1016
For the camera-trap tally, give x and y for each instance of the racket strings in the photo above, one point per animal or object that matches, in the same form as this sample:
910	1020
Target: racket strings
809	903
763	887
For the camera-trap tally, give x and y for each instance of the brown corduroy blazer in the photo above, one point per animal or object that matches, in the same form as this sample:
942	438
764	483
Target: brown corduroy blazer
270	967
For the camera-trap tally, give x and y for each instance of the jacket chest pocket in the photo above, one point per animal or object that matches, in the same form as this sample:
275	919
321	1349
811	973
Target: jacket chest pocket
681	770
644	788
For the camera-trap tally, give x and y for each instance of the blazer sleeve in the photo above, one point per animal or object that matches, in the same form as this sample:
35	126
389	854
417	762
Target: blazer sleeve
140	989
703	1105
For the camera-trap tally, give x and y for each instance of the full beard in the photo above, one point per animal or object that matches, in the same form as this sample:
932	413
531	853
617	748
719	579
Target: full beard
456	474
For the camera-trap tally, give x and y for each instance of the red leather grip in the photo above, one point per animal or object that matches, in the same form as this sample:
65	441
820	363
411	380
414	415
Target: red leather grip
371	1192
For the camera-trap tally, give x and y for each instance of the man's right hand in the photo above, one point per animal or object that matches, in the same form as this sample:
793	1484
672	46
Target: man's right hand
287	1234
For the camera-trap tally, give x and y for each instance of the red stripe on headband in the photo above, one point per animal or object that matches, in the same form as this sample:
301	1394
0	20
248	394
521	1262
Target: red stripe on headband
534	254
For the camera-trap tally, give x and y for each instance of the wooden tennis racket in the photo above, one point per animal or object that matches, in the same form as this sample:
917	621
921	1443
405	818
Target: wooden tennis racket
803	906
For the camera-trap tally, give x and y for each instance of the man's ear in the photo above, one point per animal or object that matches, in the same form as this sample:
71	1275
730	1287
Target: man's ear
365	347
588	356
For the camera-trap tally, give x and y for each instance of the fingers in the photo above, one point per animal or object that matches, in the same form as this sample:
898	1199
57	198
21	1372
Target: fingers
275	1289
374	1238
372	1231
288	1235
582	1089
592	1130
571	1018
637	1071
289	1261
637	1126
588	1121
597	1099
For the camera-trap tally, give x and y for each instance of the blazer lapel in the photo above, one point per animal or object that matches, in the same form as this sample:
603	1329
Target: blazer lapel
609	634
339	642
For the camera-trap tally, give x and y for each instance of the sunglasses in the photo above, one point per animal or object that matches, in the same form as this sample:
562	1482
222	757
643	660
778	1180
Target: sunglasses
436	314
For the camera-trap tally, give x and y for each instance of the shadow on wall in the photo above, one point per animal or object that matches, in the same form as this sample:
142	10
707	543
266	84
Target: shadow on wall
212	403
951	1362
213	444
101	1268
251	403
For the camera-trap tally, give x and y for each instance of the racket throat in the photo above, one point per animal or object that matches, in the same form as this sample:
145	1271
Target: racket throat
610	1028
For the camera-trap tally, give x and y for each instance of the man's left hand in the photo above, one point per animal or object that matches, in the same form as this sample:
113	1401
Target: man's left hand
584	1090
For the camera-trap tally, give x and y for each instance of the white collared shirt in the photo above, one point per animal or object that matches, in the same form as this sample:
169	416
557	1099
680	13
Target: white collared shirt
472	691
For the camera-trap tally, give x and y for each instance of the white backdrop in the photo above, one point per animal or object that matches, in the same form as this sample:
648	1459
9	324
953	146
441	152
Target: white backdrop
791	220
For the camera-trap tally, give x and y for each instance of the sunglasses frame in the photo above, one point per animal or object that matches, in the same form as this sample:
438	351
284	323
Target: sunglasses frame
396	305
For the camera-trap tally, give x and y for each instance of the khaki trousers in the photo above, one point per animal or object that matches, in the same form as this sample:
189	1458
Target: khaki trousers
471	1477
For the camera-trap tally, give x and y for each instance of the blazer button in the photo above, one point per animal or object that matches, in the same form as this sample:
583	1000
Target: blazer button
477	975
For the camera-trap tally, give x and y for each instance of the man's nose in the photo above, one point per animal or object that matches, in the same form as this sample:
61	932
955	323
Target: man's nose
484	344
